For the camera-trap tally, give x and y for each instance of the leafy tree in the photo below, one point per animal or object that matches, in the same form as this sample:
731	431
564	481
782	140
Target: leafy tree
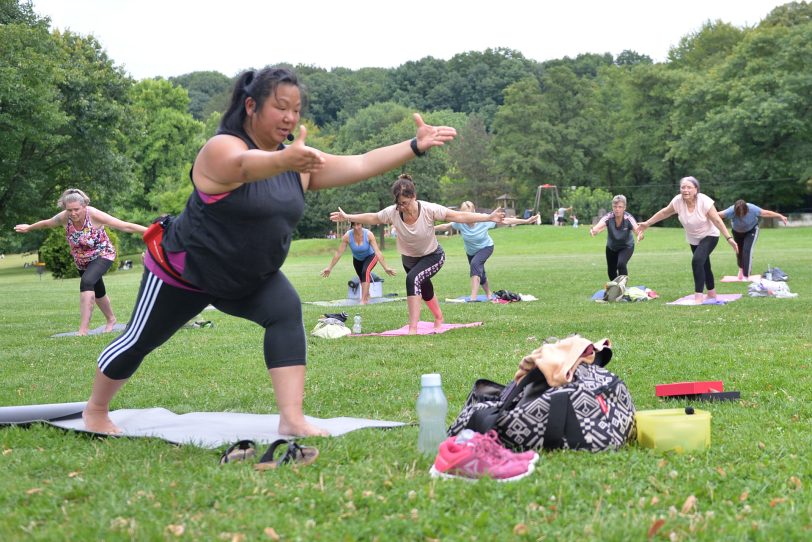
470	154
632	58
202	87
587	203
706	48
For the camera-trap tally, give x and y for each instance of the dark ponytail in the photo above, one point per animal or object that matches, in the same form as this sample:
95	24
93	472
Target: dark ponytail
404	186
257	85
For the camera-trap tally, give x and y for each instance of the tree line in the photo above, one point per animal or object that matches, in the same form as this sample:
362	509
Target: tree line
730	106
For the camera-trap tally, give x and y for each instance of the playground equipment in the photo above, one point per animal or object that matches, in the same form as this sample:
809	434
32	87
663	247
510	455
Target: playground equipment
555	201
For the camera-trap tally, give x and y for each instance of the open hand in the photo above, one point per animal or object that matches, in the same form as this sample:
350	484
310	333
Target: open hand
498	215
389	271
325	272
432	136
338	216
300	157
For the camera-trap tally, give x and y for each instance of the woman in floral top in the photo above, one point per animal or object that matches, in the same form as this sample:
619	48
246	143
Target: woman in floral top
90	247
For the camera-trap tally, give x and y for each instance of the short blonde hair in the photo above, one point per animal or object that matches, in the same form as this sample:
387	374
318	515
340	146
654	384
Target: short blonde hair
70	195
467	207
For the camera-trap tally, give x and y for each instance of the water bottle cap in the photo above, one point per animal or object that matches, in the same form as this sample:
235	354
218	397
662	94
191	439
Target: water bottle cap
432	379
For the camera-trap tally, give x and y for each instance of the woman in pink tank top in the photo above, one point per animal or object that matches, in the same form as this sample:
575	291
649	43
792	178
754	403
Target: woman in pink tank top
90	247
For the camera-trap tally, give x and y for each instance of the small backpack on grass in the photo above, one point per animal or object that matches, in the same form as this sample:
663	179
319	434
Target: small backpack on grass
616	289
592	409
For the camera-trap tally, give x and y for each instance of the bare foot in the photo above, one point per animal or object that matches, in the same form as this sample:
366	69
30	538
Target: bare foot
412	330
81	333
699	299
741	275
98	421
110	325
438	323
302	429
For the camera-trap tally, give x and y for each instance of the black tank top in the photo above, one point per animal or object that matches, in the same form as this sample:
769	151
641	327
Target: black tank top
232	245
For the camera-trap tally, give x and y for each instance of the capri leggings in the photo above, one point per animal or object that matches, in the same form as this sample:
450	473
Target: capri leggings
701	265
363	268
419	272
477	263
617	260
746	240
91	277
161	309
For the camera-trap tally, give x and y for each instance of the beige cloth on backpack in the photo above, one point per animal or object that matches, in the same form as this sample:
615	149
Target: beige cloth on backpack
558	360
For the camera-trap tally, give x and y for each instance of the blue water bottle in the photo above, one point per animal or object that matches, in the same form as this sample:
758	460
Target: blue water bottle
432	408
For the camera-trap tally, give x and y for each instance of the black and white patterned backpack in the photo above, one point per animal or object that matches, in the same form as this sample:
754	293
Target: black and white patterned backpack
593	412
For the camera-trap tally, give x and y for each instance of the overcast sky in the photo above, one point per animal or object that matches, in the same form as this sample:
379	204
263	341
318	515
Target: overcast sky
172	37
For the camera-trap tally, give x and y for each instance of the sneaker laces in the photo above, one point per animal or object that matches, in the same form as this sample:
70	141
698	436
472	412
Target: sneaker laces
491	441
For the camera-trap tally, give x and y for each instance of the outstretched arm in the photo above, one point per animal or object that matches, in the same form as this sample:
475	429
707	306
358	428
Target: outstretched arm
100	217
374	244
362	218
717	221
512	221
599	227
341	248
772	214
442	228
344	170
498	216
662	214
53	222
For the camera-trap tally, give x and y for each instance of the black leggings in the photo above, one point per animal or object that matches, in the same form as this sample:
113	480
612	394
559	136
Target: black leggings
162	309
477	264
616	261
363	268
746	241
91	277
419	272
701	265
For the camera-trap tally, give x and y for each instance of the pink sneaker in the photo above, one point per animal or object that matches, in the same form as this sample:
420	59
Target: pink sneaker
477	458
529	456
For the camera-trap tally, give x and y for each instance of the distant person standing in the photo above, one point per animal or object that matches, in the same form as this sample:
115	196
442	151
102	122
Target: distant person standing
619	226
744	219
90	247
561	218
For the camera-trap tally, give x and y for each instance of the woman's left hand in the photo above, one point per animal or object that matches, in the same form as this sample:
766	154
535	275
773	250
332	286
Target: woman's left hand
498	215
732	242
389	271
429	136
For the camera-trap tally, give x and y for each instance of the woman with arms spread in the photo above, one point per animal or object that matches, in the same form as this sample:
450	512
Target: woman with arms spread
619	226
365	255
702	223
227	246
90	247
421	254
478	245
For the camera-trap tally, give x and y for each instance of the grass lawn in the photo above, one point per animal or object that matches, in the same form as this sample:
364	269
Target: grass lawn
754	483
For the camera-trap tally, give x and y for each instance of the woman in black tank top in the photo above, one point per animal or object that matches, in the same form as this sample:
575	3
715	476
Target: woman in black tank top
248	198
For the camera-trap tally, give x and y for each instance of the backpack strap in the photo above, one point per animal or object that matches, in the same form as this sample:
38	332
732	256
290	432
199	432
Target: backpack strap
562	422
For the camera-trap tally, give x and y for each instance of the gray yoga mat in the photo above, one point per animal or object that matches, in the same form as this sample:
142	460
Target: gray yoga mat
203	429
96	331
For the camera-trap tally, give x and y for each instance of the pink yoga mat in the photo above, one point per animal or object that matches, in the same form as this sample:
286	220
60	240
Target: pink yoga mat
423	328
721	300
733	278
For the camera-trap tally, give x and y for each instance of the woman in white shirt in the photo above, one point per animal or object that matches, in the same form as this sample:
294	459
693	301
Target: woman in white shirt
421	254
697	214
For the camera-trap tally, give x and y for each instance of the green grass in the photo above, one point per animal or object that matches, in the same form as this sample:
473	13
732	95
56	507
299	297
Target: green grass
752	484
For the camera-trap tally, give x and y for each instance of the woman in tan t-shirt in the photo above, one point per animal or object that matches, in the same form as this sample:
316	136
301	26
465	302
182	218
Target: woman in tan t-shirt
421	254
697	214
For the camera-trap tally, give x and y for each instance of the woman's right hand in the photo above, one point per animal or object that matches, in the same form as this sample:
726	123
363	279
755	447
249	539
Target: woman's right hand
325	272
339	216
22	228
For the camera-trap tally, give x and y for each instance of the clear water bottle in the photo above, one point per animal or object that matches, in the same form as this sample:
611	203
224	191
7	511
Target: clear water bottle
356	326
432	408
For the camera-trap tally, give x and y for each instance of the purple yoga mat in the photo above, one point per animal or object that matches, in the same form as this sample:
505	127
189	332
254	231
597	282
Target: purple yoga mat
721	299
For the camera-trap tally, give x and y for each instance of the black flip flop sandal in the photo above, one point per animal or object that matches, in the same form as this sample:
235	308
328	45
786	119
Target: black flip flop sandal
298	455
240	451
